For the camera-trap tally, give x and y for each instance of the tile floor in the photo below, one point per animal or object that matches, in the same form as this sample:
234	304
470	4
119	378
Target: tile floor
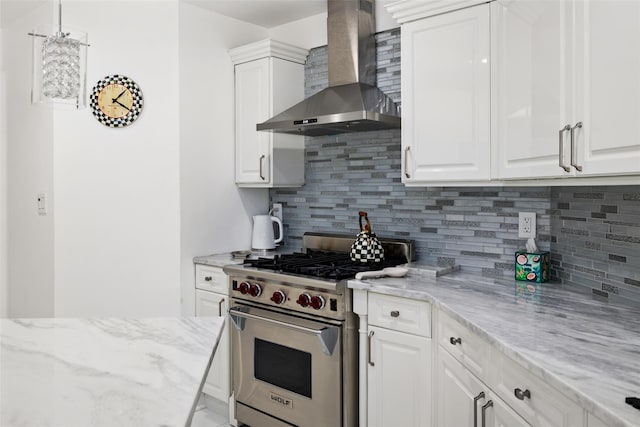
210	414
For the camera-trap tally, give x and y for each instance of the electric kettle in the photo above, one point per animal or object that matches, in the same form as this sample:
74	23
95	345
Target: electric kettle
262	237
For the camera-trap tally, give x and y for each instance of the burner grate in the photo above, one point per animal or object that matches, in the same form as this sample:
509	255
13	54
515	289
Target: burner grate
324	264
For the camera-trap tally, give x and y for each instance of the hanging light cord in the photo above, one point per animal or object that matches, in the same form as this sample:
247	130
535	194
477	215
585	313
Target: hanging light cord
59	33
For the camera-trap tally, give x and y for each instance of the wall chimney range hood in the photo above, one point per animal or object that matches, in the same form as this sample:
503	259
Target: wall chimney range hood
352	102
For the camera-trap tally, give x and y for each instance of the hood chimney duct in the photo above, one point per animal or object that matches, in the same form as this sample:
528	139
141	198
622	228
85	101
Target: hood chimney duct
352	102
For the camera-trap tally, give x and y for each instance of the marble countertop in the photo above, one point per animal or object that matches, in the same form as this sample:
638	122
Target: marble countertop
217	260
225	258
104	372
587	349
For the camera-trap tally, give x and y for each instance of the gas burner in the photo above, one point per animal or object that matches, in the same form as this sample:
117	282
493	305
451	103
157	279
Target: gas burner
317	263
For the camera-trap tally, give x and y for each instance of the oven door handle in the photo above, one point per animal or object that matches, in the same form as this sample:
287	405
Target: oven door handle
328	335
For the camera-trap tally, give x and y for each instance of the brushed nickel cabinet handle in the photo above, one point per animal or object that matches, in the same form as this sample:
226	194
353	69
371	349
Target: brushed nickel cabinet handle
369	350
561	148
518	393
489	404
220	307
261	160
574	151
406	163
395	313
475	408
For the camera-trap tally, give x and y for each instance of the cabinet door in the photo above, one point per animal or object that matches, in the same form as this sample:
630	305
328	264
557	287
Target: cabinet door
608	86
399	381
252	99
499	414
532	87
458	390
218	380
445	89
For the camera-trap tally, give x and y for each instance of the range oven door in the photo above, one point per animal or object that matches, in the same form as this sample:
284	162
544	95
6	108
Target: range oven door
286	367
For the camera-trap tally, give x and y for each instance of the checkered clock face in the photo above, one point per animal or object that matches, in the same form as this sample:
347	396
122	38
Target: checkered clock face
116	101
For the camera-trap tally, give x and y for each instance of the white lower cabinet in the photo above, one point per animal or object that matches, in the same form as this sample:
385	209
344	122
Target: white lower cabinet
217	384
474	377
395	361
399	391
463	397
212	299
458	379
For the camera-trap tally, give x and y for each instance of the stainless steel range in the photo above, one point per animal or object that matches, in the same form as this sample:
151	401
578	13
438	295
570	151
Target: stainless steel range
294	335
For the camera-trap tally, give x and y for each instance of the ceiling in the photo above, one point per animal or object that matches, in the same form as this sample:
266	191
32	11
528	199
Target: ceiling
14	9
265	13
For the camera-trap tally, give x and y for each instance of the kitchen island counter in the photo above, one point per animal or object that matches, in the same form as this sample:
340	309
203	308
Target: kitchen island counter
104	372
586	348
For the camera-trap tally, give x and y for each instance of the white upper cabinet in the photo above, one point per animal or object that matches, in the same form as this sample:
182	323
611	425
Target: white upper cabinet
532	96
446	97
565	100
269	78
607	52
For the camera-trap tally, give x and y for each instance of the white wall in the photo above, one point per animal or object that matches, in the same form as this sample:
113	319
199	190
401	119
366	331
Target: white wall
312	31
117	190
215	214
29	137
3	188
306	33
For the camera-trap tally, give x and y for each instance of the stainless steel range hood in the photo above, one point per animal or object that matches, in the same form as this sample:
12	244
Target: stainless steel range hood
351	103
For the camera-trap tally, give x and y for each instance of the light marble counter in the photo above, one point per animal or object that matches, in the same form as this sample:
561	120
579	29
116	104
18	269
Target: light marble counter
587	349
225	258
104	372
217	260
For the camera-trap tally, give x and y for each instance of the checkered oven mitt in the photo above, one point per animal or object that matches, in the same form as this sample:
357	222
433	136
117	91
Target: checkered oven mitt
367	248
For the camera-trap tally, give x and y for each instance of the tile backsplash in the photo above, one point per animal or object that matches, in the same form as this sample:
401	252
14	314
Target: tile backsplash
595	239
593	232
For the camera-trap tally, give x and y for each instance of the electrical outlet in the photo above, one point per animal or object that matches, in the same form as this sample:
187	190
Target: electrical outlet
527	224
42	203
277	210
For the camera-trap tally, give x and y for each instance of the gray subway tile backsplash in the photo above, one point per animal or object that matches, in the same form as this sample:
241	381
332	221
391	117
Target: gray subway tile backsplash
593	233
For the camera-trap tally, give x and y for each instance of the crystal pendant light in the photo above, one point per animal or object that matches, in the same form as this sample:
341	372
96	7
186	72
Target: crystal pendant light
59	65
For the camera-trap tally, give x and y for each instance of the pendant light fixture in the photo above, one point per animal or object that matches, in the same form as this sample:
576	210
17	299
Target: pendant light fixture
59	65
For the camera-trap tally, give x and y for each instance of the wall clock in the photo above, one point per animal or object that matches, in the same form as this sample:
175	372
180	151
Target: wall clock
116	101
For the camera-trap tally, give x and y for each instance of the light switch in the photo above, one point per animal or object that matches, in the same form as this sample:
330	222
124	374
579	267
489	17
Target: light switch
42	204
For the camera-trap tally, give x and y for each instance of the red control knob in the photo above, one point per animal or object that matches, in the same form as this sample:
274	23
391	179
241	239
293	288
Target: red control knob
304	300
255	290
244	288
317	302
278	297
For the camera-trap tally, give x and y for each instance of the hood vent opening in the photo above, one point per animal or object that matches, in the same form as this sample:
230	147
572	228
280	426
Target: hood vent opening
351	103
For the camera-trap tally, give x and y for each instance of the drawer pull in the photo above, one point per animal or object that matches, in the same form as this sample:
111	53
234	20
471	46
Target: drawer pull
489	404
455	341
574	150
261	159
395	313
208	279
220	307
522	394
475	408
369	350
406	159
561	148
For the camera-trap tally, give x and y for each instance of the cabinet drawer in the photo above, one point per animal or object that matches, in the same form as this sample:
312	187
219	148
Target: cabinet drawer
402	314
211	279
538	403
471	350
